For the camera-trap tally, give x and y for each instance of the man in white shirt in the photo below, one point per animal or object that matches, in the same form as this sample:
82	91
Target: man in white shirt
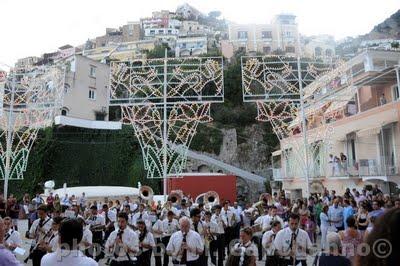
39	232
12	238
70	234
96	224
229	230
197	225
293	243
184	211
219	243
141	214
168	207
186	245
123	242
87	238
110	218
267	243
269	218
169	226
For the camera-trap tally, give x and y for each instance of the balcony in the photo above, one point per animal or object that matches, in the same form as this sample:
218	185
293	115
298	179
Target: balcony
363	168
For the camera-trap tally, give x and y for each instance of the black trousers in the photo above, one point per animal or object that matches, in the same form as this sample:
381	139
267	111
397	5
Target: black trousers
97	254
165	241
144	258
157	252
37	256
272	261
290	262
123	263
258	241
218	246
229	232
188	263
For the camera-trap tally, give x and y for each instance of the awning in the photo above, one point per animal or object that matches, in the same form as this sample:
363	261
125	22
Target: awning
340	99
76	122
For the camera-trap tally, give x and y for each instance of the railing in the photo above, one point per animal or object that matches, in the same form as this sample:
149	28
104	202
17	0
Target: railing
359	168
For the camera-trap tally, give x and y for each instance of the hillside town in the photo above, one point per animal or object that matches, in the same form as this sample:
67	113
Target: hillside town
185	138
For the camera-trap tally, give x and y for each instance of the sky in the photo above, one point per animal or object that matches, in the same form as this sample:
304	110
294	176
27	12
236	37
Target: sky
31	28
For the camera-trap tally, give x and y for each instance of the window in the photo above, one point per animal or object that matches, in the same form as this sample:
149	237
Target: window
242	34
66	88
266	49
64	111
266	34
92	71
396	93
152	32
169	31
92	94
160	31
289	49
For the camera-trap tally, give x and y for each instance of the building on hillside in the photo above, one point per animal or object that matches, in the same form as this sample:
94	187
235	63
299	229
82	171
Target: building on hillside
382	44
360	103
27	62
86	89
191	46
127	33
319	46
122	51
192	27
186	11
281	35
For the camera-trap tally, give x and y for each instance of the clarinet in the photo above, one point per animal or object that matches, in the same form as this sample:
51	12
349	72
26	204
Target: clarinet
33	248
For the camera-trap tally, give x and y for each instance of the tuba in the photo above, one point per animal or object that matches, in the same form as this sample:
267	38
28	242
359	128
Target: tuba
146	193
211	198
175	196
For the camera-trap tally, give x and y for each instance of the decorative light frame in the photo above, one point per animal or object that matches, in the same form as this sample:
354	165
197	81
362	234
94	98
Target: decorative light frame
164	100
30	100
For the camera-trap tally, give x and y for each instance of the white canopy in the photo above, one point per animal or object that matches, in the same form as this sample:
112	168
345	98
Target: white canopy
97	191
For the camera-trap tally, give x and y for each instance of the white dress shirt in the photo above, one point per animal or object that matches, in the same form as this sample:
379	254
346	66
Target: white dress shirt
336	214
230	216
165	211
38	232
169	227
268	242
148	240
96	220
53	241
13	237
266	221
184	212
220	220
112	216
158	225
193	241
139	216
129	239
67	258
283	239
86	237
200	228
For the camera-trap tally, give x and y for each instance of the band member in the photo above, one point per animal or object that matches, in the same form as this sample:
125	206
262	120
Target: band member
39	232
267	243
97	224
141	214
12	238
198	227
146	244
157	230
184	211
186	245
167	208
70	233
123	243
219	243
77	210
293	243
110	218
51	244
210	235
87	238
231	223
170	226
267	219
245	252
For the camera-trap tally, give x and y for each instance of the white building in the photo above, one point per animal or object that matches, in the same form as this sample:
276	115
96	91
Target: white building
319	46
190	46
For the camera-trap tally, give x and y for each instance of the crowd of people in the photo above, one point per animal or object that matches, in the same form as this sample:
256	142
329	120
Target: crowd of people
334	229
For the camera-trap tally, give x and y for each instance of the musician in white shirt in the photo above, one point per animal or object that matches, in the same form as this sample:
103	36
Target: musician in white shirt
87	237
210	231
146	244
245	252
293	243
12	238
170	226
39	232
70	234
198	226
140	215
184	211
157	230
267	243
167	208
110	218
51	243
219	242
186	245
267	219
96	224
123	243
